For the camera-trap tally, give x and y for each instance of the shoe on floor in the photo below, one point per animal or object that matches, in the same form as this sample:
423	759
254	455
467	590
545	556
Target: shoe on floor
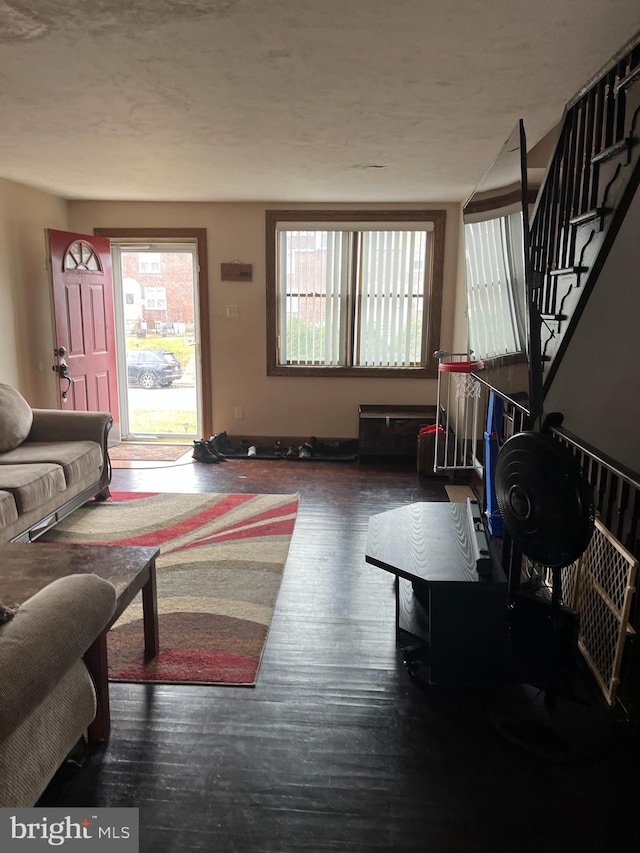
214	449
222	442
305	451
201	452
291	452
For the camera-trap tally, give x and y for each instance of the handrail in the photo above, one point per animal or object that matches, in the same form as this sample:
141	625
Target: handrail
621	471
587	189
605	69
616	489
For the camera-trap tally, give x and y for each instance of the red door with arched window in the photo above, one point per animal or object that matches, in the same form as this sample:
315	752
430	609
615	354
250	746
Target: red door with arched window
85	349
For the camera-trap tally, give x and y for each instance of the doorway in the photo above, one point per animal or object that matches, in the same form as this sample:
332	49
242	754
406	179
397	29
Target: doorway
161	338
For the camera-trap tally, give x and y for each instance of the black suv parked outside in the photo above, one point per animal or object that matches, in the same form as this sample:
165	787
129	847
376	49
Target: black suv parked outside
152	368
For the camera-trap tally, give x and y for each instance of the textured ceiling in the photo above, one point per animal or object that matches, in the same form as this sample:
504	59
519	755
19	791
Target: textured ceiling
286	100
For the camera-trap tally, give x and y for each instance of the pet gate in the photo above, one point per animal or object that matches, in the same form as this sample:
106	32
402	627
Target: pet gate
600	586
456	430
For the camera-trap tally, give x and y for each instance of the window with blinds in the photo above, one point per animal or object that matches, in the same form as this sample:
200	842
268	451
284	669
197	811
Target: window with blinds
351	293
496	285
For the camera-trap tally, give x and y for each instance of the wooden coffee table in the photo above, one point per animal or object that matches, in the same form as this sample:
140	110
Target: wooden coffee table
27	568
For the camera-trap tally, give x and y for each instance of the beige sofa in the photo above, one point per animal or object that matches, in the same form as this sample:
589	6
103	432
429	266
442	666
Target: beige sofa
51	462
47	697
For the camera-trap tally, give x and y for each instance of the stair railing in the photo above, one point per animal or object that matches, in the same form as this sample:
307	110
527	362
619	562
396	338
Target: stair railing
590	182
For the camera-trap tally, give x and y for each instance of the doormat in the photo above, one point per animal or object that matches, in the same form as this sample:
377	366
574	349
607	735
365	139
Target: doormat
222	557
131	451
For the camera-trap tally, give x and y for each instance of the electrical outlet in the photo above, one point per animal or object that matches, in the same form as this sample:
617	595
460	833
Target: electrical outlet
238	413
232	310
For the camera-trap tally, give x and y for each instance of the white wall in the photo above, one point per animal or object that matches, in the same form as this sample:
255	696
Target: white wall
597	386
26	328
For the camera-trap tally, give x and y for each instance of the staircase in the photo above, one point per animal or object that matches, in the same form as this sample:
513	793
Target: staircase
590	182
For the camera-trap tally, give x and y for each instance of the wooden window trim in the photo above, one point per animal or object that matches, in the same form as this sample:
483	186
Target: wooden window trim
434	308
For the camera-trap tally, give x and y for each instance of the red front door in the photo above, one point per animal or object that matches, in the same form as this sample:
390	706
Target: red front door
84	322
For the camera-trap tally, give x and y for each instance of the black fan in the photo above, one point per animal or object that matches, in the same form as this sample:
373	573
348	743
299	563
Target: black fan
548	511
545	501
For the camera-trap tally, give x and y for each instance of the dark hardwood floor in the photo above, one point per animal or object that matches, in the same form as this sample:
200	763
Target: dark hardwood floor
337	748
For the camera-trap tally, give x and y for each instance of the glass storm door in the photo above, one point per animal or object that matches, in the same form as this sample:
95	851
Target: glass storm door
157	340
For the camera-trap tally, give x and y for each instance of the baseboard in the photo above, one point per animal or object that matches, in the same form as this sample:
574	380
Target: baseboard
287	447
287	440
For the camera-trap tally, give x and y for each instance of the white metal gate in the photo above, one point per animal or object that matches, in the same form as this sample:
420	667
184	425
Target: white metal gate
456	434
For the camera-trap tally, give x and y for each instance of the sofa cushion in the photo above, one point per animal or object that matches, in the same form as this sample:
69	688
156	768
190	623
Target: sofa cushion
16	418
8	510
79	460
31	485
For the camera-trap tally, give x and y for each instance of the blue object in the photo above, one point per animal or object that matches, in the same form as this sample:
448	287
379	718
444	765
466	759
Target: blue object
492	438
494	415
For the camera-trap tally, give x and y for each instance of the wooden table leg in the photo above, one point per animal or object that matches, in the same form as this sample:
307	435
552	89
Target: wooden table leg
150	615
95	659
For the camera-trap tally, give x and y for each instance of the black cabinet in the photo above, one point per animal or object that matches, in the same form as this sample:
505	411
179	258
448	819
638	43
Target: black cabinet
391	430
451	597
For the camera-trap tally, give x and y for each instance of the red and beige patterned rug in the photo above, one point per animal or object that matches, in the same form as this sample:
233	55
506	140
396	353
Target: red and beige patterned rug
218	575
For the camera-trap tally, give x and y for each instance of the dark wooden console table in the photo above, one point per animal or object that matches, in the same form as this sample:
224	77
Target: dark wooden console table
447	614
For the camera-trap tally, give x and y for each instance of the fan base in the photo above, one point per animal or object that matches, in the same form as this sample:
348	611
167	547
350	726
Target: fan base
566	730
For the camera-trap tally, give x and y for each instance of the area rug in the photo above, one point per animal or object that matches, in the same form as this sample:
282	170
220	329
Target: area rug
130	451
219	571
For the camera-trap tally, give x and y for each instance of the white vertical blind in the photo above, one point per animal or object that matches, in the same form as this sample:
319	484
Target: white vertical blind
313	276
391	320
318	281
337	291
284	300
492	275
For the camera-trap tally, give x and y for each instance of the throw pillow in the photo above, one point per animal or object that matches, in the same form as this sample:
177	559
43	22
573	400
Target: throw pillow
16	418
